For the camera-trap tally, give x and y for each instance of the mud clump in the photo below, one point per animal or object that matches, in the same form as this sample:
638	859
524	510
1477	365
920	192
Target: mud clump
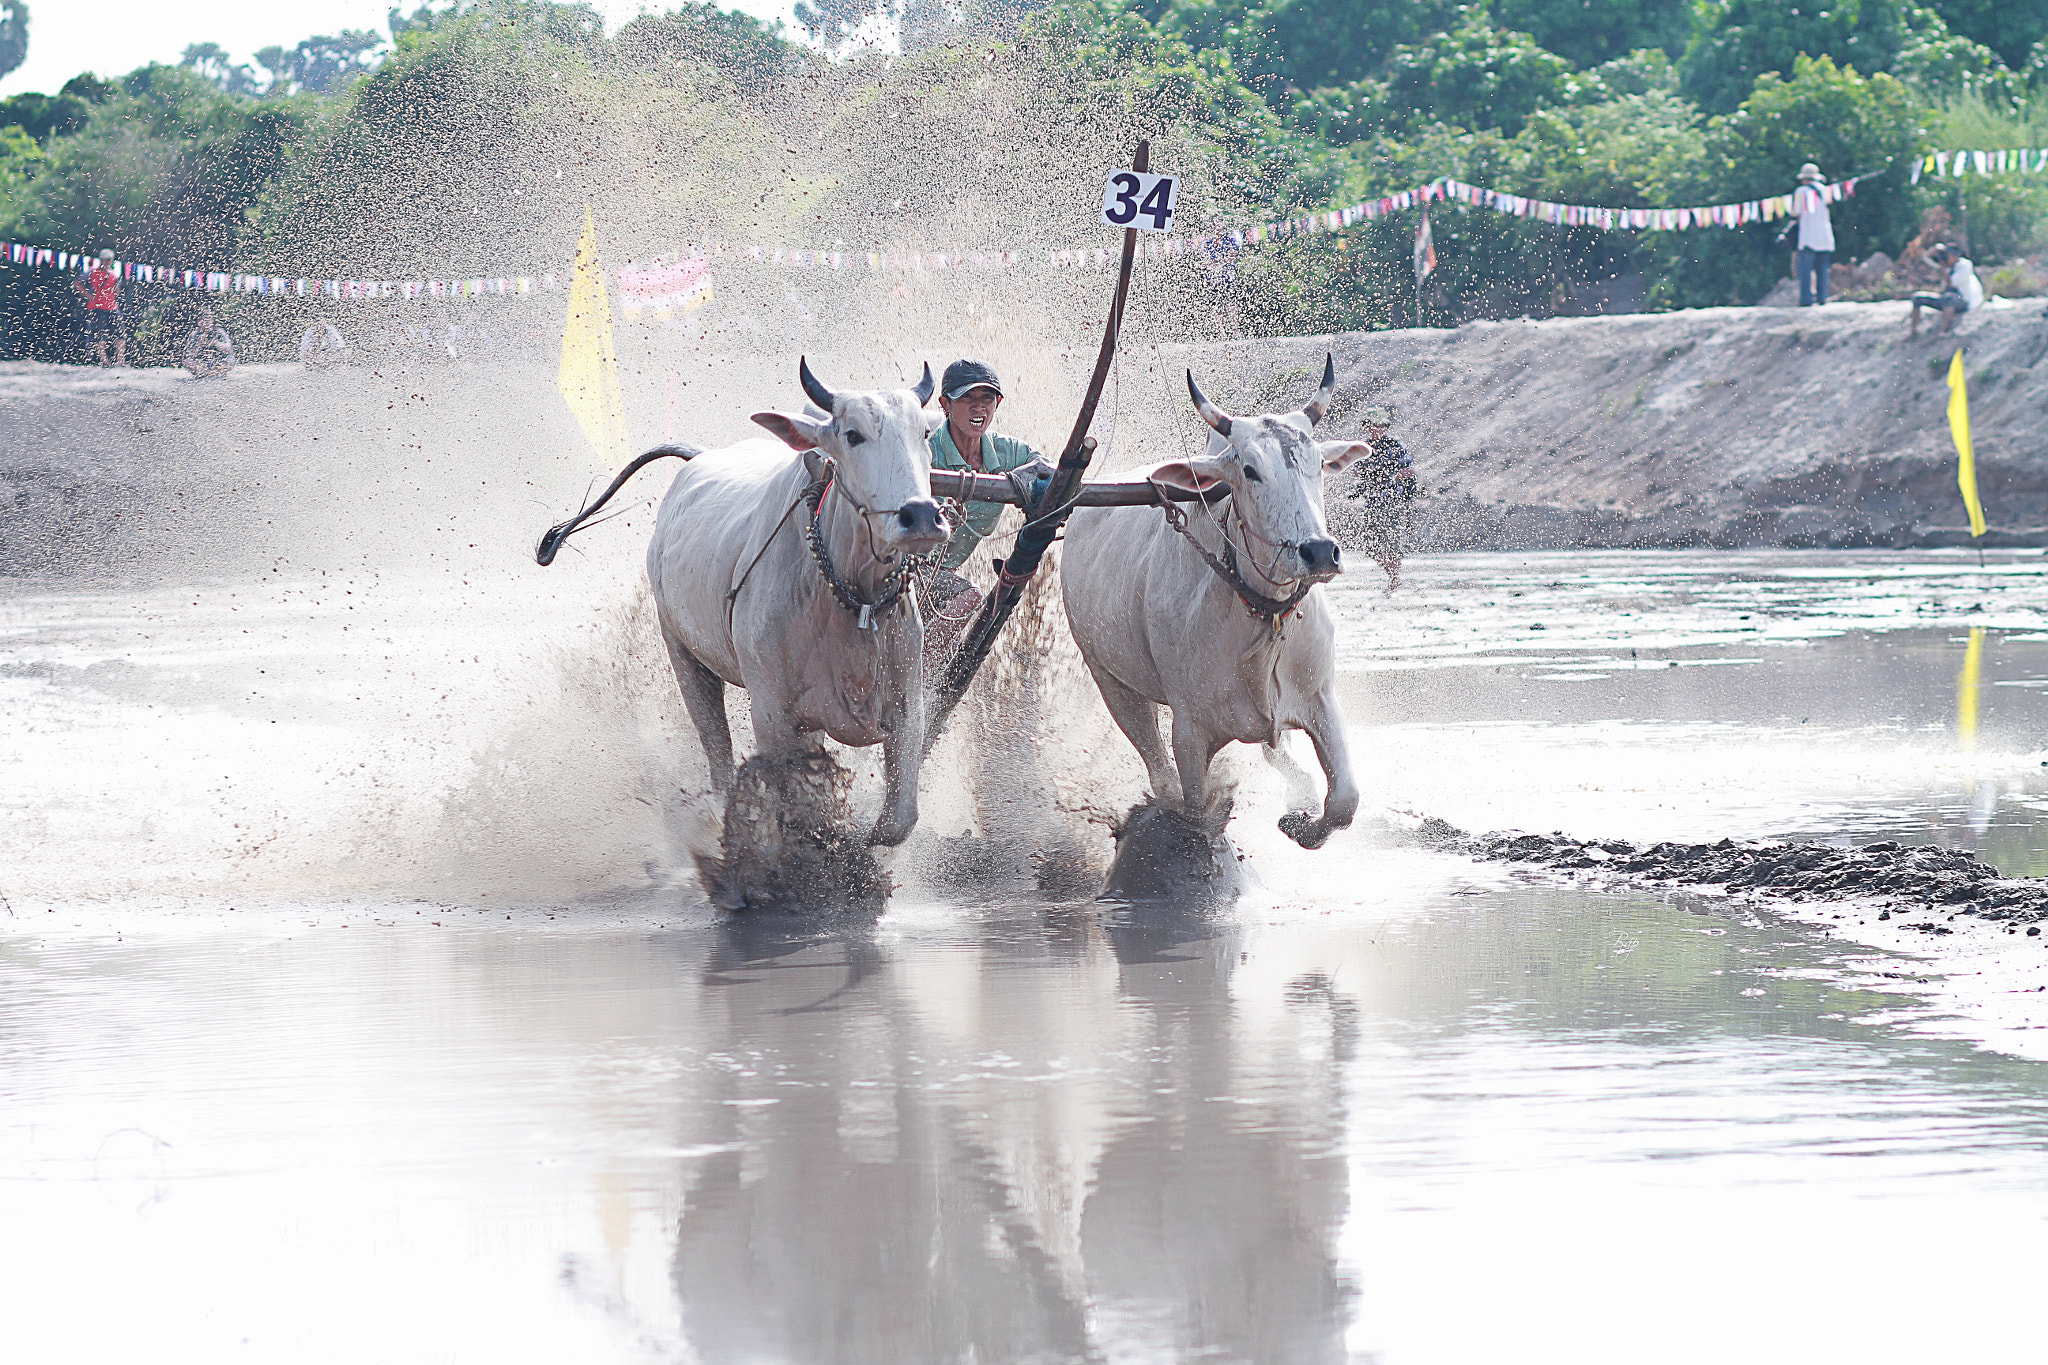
1889	875
1162	856
790	843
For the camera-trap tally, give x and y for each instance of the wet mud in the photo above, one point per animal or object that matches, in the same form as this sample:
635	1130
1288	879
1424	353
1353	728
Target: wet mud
1164	857
1902	880
791	845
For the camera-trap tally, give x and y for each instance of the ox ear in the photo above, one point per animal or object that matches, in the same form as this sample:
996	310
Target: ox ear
1335	455
797	433
933	421
1190	476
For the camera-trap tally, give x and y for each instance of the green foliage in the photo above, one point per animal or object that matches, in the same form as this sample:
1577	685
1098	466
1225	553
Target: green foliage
2009	28
44	117
2000	218
165	169
737	44
1302	44
13	34
1734	42
1589	32
90	88
1845	123
1939	62
321	64
1478	76
210	61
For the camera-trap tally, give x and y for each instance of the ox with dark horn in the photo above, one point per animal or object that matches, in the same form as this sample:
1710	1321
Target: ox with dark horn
1319	406
1217	418
813	390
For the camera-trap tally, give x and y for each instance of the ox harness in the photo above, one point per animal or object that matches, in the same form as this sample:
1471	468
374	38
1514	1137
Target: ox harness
1271	610
814	536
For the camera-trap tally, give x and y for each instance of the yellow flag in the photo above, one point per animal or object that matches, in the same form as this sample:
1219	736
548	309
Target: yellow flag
1959	427
589	378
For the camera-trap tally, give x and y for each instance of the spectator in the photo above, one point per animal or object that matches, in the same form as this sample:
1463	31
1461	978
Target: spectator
322	344
101	290
1963	293
209	352
1816	253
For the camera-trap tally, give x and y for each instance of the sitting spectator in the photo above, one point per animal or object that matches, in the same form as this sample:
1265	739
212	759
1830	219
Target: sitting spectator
322	343
208	350
1963	293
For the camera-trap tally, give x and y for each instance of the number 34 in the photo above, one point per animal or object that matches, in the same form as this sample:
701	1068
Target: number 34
1134	199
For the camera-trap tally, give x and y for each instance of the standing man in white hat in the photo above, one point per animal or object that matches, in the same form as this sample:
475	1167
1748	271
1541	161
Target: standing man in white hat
1816	237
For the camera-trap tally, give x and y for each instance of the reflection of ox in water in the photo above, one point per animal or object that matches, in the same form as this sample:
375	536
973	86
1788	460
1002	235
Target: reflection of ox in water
1214	614
789	576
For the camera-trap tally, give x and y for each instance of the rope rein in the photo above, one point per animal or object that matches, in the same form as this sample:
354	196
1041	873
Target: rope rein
1272	610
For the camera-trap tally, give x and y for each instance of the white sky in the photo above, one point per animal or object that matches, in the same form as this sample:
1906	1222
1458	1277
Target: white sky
113	37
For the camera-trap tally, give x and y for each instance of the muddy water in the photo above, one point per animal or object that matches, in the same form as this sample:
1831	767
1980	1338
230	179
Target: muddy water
270	1089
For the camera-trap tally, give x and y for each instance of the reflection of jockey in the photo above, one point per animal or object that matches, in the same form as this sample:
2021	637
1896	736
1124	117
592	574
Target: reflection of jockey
970	395
1380	488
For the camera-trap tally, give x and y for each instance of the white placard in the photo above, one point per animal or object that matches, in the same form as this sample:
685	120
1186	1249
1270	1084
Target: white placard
1138	199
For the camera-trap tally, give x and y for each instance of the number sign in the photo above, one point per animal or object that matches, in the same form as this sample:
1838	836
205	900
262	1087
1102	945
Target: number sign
1134	199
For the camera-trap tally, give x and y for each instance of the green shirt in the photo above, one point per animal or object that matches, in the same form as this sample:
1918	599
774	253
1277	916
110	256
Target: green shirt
998	454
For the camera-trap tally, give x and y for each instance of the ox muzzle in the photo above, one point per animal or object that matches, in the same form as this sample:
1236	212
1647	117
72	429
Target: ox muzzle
1321	560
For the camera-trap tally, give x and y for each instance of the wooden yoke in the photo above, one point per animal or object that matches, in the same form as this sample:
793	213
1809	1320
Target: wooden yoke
1042	519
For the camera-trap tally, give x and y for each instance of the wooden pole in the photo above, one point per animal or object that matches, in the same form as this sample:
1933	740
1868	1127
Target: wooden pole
1014	574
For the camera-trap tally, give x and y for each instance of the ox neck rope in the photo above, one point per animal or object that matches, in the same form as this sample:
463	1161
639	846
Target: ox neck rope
1272	610
845	592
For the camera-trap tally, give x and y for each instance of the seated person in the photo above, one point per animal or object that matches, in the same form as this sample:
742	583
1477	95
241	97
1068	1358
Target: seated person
1964	291
208	349
322	343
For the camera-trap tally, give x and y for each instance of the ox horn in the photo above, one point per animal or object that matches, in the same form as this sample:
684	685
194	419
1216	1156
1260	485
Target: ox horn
1319	405
925	386
1216	417
813	390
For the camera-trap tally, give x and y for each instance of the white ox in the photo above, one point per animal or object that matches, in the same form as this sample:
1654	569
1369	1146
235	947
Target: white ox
743	598
1160	625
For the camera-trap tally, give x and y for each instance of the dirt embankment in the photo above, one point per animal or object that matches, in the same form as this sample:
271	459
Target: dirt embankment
1717	427
1720	427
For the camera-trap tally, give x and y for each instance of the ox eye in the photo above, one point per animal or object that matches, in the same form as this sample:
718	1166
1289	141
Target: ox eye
1252	472
854	438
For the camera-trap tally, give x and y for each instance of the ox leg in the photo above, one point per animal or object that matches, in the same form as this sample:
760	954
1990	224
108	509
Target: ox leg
1325	726
1138	717
1194	748
902	754
704	698
1301	793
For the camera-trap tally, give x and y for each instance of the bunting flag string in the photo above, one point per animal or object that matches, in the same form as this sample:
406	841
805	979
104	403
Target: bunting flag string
2004	161
686	283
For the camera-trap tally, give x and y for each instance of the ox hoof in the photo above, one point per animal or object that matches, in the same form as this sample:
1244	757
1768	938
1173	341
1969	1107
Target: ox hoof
1304	828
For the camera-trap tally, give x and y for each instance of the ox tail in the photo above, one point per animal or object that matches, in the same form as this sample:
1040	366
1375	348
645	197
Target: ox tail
544	553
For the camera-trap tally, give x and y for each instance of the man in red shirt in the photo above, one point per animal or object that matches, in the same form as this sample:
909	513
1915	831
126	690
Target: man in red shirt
101	289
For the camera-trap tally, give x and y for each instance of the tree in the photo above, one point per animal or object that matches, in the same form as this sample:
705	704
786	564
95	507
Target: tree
1478	76
1589	32
13	34
1736	41
1301	44
44	117
321	64
211	61
2008	27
